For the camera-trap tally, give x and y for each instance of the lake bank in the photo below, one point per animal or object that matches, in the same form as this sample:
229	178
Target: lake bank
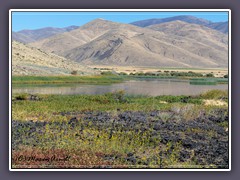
66	79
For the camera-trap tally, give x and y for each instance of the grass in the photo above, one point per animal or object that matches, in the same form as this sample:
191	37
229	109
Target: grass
215	94
91	143
109	77
23	108
208	81
66	79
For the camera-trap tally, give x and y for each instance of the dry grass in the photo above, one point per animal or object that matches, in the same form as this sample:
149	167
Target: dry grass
133	69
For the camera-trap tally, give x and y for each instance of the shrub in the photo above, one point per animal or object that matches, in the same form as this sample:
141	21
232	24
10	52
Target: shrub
123	73
74	72
22	97
119	96
215	94
140	74
209	75
106	73
225	76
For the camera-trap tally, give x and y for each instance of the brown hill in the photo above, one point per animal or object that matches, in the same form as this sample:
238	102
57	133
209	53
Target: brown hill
66	41
109	43
31	61
199	33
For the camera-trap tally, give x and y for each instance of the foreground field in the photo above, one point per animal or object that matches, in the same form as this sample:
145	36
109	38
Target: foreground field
119	131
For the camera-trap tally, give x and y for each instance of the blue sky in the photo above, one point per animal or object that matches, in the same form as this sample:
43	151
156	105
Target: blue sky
35	20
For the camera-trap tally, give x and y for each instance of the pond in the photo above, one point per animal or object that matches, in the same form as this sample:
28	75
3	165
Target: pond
132	87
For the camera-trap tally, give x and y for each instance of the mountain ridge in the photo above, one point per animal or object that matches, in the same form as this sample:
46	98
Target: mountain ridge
111	43
105	48
31	35
220	26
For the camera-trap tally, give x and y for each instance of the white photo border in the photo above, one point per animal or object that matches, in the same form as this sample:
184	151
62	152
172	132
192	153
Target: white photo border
117	10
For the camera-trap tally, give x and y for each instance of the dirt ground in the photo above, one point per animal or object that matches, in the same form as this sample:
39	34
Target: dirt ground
132	69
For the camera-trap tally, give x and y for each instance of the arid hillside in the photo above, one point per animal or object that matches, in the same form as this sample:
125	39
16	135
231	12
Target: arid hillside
172	44
31	61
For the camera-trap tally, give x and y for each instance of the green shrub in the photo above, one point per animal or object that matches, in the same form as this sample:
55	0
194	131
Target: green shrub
123	73
74	72
225	76
22	97
209	75
107	73
215	94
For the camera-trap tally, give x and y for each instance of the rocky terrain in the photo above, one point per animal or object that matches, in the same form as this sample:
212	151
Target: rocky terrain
27	60
202	142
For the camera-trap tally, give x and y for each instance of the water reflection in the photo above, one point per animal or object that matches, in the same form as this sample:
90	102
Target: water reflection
143	87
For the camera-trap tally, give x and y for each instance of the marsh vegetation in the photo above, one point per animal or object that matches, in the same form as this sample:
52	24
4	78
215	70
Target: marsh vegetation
116	130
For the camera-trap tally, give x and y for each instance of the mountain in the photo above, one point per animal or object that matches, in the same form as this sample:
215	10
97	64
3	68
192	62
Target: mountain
27	36
31	61
21	38
220	26
199	33
109	43
66	41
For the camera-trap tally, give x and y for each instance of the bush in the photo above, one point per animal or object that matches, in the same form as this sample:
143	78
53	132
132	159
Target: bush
225	76
74	72
209	75
22	97
140	74
123	73
106	73
215	94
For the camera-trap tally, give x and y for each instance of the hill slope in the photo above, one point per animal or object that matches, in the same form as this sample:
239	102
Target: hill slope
31	61
129	45
66	41
110	43
199	33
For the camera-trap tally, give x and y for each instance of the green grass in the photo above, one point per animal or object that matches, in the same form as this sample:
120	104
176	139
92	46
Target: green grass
66	79
108	78
22	108
74	103
215	94
208	81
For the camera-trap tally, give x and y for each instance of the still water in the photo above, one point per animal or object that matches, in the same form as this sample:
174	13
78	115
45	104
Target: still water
133	87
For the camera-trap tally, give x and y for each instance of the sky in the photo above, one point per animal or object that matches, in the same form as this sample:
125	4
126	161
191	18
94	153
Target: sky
36	20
